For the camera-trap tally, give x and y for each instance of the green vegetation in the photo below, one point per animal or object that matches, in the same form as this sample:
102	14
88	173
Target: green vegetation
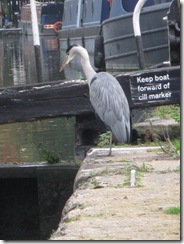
169	170
167	145
168	111
171	147
68	220
176	144
173	210
95	184
78	217
104	139
104	171
95	215
51	157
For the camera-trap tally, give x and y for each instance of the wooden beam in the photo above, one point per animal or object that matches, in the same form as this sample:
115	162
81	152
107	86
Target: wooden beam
40	101
146	88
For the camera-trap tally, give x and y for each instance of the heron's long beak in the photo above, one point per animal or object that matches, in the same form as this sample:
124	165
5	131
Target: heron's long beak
66	61
64	64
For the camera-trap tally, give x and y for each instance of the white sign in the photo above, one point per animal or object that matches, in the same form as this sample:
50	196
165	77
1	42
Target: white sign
153	87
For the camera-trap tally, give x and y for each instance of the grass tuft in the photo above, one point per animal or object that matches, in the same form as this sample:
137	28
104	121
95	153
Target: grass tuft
173	210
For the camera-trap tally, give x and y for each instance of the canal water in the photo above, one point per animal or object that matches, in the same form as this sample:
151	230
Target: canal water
28	142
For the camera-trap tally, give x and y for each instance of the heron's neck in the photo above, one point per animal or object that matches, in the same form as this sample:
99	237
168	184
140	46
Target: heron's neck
87	68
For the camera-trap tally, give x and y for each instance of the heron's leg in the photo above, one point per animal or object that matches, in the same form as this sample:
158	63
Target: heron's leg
110	145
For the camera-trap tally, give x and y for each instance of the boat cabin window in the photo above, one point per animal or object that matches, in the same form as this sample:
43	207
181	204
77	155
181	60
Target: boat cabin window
93	12
121	7
51	13
70	14
129	5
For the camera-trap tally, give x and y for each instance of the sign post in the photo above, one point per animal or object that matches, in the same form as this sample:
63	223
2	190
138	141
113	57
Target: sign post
155	86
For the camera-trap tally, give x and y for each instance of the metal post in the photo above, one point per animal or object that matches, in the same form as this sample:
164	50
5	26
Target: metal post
34	19
36	40
132	178
78	24
137	32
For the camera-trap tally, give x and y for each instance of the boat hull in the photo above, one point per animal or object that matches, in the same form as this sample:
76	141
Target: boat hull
81	36
120	44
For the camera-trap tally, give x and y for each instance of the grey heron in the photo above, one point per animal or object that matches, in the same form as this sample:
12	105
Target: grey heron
106	95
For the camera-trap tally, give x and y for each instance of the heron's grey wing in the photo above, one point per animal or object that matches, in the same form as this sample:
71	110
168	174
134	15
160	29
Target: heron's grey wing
110	103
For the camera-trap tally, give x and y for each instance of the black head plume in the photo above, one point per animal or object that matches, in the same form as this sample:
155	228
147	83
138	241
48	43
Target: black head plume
70	47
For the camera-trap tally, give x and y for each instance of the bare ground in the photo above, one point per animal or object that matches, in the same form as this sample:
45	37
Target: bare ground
103	207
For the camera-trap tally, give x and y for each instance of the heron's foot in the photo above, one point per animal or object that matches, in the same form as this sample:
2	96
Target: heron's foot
99	153
105	155
110	152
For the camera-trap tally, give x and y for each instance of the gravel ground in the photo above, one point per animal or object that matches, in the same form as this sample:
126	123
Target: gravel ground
105	207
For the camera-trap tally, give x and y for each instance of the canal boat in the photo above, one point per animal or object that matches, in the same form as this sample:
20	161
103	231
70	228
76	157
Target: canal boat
49	18
105	29
81	24
120	51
